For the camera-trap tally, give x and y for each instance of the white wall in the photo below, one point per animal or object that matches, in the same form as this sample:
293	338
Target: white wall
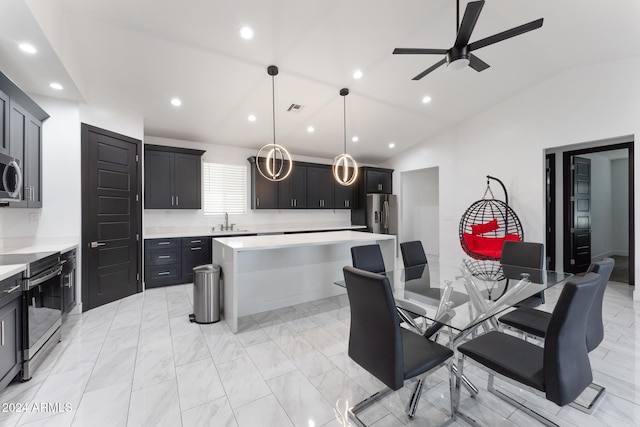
620	206
420	213
601	206
159	218
508	142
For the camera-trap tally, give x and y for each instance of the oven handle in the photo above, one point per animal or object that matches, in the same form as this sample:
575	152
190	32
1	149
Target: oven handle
45	276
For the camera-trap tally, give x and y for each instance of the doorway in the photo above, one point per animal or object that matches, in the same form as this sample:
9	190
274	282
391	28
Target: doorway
597	207
111	216
420	210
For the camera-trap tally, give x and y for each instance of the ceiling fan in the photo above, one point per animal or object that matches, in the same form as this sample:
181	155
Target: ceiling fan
459	56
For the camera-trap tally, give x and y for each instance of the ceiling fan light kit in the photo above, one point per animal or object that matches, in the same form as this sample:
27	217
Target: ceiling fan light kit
459	56
277	160
345	168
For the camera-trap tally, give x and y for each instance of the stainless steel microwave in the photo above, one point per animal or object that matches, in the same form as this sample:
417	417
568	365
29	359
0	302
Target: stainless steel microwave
11	182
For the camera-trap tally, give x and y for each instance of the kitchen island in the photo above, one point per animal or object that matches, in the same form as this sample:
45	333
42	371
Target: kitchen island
261	273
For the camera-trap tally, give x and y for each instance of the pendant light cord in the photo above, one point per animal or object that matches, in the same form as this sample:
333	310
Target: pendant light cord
273	106
344	121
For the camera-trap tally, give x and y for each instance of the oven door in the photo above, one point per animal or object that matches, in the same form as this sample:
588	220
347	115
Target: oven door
43	307
10	179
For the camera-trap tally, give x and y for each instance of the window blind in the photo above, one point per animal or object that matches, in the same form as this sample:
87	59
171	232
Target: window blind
224	188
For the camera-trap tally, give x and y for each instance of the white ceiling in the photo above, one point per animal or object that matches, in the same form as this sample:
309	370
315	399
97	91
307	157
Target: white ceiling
142	53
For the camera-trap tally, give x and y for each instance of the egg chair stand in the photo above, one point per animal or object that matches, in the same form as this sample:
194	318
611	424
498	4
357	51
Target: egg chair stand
484	227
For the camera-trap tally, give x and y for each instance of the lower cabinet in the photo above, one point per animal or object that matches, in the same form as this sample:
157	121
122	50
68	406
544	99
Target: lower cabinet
171	261
10	333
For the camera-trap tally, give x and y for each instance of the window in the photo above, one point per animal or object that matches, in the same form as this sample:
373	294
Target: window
225	188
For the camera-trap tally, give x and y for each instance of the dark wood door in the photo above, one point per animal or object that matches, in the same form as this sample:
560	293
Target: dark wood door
581	214
111	217
550	210
158	180
187	181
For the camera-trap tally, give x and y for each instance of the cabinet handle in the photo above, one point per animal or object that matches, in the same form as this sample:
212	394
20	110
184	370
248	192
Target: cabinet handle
177	202
380	187
295	203
172	201
2	333
164	243
197	248
164	273
32	193
291	203
8	291
257	201
196	241
164	256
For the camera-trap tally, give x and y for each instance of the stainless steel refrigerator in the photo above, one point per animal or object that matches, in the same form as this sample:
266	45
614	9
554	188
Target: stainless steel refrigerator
382	213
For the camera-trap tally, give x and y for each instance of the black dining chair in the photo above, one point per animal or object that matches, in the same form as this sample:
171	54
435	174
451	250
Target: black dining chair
535	322
561	369
380	345
523	254
368	258
413	253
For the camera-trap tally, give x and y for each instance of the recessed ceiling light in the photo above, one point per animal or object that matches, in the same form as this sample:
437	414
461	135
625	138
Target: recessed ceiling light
56	86
251	118
392	144
355	139
176	102
28	48
426	100
310	129
357	74
246	33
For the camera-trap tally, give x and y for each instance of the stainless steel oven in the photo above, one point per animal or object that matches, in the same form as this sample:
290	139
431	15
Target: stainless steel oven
42	306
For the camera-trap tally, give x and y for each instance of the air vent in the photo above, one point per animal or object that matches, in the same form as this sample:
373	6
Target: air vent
295	108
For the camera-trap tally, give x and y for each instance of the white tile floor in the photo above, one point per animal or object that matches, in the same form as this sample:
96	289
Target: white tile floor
139	362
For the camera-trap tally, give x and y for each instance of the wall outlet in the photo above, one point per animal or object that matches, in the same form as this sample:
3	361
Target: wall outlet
33	218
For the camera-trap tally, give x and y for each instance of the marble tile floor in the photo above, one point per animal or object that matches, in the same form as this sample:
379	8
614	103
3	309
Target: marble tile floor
139	362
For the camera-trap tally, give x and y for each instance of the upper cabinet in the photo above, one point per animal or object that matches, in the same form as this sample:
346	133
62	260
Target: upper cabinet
377	180
21	137
172	177
309	186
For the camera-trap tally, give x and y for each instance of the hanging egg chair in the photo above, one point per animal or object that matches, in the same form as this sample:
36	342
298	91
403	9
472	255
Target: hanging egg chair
487	224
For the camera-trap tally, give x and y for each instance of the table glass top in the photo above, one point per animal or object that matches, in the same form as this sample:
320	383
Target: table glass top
464	290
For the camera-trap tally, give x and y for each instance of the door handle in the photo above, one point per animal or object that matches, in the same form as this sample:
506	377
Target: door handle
96	244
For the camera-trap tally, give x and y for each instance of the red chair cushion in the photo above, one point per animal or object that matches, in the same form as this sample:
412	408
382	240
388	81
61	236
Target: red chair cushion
484	228
488	246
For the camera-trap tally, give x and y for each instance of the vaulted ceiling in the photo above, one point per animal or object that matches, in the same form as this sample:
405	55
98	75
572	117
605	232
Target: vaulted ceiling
143	53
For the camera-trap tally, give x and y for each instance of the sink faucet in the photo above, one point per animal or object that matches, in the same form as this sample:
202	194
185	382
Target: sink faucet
226	221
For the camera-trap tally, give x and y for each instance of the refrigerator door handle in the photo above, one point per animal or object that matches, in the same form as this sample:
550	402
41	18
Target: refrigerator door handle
385	214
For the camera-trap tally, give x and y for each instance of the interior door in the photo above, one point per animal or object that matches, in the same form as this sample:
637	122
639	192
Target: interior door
581	214
111	217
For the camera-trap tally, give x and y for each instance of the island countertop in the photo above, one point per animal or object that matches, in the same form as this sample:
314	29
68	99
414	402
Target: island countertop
241	243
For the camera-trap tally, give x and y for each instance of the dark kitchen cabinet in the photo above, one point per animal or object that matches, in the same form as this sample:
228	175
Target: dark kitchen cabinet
345	195
320	187
195	251
4	123
10	330
292	191
264	193
377	180
173	177
21	137
26	145
171	261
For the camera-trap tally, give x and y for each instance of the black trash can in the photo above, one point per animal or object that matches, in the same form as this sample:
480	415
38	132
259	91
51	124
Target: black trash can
206	294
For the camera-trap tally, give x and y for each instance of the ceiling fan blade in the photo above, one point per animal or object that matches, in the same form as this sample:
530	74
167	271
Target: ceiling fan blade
477	63
411	51
430	69
471	15
506	34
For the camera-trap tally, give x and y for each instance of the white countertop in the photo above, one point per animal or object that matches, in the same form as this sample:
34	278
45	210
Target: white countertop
10	270
169	232
242	243
43	244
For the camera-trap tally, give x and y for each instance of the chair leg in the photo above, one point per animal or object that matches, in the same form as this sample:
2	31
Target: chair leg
589	409
471	388
412	406
358	407
517	404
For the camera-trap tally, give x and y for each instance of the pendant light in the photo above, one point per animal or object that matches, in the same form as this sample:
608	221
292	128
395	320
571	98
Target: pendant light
277	160
345	168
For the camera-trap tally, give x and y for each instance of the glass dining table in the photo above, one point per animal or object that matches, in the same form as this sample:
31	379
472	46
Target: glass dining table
452	296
